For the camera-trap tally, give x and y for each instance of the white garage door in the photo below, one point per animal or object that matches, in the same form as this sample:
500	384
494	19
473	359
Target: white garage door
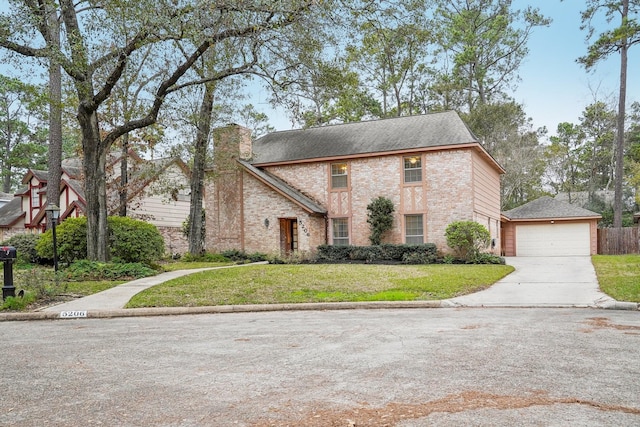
553	239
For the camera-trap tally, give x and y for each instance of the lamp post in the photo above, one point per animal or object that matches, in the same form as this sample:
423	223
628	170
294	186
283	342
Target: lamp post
53	213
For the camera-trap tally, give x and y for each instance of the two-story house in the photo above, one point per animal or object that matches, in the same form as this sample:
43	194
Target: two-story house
158	192
295	190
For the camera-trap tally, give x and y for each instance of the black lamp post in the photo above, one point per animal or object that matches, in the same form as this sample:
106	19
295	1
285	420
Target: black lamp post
53	213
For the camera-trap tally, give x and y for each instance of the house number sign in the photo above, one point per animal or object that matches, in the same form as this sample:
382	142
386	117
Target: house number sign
304	228
72	314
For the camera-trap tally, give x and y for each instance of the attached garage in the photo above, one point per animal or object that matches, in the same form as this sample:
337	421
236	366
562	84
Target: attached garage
547	227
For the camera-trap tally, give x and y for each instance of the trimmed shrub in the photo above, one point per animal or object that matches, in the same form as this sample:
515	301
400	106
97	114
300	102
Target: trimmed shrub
467	239
334	252
205	257
92	270
408	254
71	237
240	256
234	255
130	240
485	258
25	245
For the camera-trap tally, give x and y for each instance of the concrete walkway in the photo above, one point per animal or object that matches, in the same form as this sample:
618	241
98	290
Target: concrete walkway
543	281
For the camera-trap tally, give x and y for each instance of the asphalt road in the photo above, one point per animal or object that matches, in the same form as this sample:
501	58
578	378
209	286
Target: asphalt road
411	367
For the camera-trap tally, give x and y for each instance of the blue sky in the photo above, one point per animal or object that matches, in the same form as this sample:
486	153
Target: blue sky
553	87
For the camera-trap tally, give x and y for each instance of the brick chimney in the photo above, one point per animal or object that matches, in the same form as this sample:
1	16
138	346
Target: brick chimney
230	143
224	199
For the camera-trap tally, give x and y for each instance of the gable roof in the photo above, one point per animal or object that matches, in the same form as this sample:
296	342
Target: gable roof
547	208
40	175
360	138
283	188
11	212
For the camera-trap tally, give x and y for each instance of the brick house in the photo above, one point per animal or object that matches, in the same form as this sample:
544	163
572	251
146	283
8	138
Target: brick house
295	190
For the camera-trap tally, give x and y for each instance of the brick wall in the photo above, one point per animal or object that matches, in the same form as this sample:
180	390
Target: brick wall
263	208
175	242
447	193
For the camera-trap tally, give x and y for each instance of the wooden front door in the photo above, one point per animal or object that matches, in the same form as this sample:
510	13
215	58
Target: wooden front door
288	235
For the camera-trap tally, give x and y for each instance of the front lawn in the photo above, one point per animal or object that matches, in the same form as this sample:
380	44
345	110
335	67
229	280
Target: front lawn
619	276
272	284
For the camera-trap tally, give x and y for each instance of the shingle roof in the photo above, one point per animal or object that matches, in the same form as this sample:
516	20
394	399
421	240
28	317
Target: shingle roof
11	212
76	186
40	175
285	189
386	135
548	207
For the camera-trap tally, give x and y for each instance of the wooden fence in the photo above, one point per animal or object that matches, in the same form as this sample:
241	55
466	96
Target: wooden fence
618	241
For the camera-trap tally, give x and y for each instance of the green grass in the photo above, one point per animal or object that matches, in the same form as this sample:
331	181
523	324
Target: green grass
619	276
181	265
271	284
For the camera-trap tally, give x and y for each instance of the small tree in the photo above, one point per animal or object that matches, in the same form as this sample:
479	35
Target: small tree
467	239
380	218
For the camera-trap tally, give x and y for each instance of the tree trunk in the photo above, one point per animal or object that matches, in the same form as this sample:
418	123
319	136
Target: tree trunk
617	202
95	158
124	175
54	160
6	185
197	174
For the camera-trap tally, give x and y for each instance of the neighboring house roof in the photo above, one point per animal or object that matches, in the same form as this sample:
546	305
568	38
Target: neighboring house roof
73	171
11	212
77	205
283	188
39	174
22	191
150	171
549	208
400	134
75	185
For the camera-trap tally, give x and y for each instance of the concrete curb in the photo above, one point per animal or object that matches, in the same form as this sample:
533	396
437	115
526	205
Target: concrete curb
373	305
256	308
620	305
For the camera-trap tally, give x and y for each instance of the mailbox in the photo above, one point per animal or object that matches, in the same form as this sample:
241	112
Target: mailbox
8	254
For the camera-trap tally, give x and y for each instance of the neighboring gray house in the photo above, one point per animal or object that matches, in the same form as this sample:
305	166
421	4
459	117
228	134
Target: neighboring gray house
12	219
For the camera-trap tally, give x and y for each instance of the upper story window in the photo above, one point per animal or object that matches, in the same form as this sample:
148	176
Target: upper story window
35	197
413	169
339	175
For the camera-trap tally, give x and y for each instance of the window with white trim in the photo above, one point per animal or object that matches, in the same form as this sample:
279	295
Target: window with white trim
35	197
340	234
413	169
339	175
413	229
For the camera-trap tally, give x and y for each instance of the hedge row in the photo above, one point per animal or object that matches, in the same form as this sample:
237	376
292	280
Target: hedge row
407	254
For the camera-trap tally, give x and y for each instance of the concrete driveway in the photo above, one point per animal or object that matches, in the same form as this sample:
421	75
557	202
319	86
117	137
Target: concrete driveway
543	281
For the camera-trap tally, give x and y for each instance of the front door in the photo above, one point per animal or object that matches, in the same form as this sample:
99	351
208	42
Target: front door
288	235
